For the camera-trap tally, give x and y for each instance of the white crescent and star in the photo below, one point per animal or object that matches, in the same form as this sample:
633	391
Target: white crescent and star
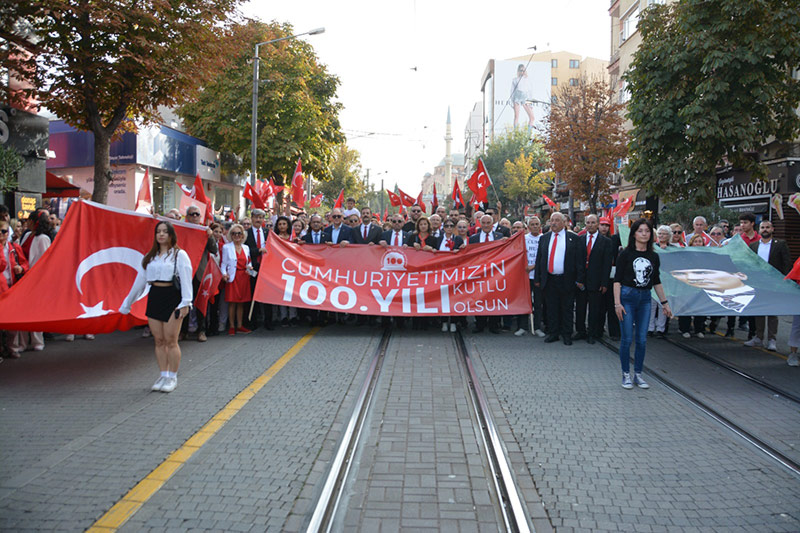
207	288
126	256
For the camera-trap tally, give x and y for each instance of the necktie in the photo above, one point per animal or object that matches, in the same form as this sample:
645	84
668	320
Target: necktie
316	238
552	253
728	302
589	249
258	237
365	233
396	239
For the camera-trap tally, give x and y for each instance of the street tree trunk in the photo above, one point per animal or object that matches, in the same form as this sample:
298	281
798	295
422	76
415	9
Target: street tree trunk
102	166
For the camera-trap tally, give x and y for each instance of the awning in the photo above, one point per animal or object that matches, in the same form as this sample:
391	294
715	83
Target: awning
60	188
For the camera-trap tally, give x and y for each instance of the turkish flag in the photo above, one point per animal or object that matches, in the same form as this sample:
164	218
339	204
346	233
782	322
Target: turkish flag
406	199
250	194
421	203
385	214
317	200
264	190
339	200
209	286
622	209
144	201
435	200
479	183
550	202
395	200
198	195
458	198
89	270
275	188
298	193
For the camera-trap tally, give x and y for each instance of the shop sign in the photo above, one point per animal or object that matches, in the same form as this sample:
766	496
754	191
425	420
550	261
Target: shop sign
26	203
733	187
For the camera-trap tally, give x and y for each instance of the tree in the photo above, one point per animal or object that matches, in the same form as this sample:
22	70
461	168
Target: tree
684	211
710	84
586	139
297	116
523	183
10	163
104	65
508	147
345	173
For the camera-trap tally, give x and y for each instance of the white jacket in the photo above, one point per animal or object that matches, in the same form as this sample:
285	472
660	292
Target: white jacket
229	260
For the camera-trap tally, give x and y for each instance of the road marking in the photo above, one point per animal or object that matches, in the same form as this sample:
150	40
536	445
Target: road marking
144	490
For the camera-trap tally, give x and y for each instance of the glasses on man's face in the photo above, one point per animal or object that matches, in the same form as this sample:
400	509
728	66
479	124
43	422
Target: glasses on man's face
195	214
416	210
716	234
4	231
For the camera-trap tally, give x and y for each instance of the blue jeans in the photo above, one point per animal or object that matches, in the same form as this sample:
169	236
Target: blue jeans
637	314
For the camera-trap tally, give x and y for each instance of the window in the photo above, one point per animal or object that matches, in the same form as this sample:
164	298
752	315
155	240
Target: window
629	25
574	63
554	99
573	82
554	63
624	94
651	2
553	81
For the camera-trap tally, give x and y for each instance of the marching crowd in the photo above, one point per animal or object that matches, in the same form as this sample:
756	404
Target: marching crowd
584	281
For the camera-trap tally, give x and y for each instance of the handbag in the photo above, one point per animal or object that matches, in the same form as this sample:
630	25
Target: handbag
176	280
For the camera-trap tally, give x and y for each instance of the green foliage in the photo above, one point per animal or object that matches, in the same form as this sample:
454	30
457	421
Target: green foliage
345	173
10	163
297	115
523	183
684	211
710	84
510	147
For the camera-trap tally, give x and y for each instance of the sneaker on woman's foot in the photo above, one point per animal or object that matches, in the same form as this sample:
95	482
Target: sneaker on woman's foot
639	380
169	384
626	381
159	383
793	360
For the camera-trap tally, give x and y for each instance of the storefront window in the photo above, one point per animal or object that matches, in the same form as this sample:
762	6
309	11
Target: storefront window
223	197
164	196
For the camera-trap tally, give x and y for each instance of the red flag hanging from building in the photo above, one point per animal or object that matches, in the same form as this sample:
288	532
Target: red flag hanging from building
407	200
88	272
458	198
420	202
479	183
434	200
317	200
394	199
298	193
144	201
209	285
339	200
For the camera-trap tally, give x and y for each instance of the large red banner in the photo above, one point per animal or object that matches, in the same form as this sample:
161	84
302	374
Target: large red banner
80	282
483	279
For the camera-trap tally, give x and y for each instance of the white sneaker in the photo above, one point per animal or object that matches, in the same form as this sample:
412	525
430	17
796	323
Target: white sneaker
639	380
793	360
452	327
69	338
687	335
772	346
89	337
539	333
169	384
701	336
146	332
755	341
626	381
159	383
520	332
444	327
38	348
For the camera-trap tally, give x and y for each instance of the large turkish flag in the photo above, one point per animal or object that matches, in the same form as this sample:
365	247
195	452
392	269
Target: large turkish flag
80	282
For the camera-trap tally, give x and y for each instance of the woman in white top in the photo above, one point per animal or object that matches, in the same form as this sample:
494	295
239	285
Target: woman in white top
167	304
35	244
236	266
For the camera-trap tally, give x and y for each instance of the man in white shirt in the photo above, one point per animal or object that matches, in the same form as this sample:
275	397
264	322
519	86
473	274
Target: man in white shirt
486	235
256	239
700	225
395	236
366	232
436	225
338	233
532	247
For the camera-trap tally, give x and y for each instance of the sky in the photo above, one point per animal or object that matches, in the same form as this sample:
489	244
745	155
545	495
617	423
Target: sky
401	63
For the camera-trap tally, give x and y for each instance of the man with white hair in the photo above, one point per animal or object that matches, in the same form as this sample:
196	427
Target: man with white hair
486	234
700	225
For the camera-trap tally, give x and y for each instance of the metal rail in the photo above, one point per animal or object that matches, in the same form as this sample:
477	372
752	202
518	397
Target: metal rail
515	515
328	502
731	368
774	454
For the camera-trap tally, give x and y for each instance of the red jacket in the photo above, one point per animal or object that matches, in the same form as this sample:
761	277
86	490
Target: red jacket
15	257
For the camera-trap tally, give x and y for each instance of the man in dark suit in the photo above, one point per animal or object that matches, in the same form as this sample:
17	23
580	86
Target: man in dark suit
338	232
314	235
256	240
415	211
366	232
495	214
608	311
395	236
486	234
598	270
776	253
560	269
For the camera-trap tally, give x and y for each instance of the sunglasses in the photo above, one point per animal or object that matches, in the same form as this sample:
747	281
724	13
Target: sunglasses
336	216
237	234
194	214
448	225
676	232
4	231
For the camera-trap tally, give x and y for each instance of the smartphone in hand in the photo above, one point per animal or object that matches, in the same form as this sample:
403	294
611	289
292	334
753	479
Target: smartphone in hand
177	313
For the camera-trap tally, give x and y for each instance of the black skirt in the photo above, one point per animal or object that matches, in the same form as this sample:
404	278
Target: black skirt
162	302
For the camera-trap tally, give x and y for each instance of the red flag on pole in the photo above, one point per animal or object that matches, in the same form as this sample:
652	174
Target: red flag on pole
209	286
198	194
144	201
421	203
298	193
395	200
550	202
479	183
458	199
622	209
317	200
87	274
275	188
339	200
250	194
385	214
406	199
435	200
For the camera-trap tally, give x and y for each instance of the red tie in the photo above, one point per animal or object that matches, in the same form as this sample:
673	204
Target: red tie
258	237
589	249
552	253
365	233
395	239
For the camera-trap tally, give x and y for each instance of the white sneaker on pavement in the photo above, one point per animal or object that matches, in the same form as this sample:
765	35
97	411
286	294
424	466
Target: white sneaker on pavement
89	337
639	380
452	327
520	332
69	338
701	335
687	335
755	341
169	384
146	332
158	384
626	381
444	327
772	346
539	333
793	360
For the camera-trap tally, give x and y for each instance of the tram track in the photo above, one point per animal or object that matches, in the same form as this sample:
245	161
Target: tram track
748	436
510	508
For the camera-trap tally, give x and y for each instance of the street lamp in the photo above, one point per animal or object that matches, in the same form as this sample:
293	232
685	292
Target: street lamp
254	128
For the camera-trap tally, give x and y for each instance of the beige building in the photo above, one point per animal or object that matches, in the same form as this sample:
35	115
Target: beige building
567	68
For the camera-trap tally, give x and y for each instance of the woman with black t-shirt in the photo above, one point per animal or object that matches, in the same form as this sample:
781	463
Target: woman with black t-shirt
637	273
